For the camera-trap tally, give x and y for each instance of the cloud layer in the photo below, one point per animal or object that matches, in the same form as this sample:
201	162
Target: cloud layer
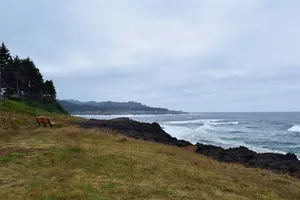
192	55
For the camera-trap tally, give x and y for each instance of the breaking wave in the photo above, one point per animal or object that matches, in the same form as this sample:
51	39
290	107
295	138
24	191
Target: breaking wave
204	121
225	123
197	121
295	128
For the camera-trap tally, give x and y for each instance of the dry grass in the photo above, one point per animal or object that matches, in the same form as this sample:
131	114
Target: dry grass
68	162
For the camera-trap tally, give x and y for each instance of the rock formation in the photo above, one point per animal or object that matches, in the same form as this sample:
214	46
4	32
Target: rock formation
138	130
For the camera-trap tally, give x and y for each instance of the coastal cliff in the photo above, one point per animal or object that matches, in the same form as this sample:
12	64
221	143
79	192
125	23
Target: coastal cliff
137	130
153	132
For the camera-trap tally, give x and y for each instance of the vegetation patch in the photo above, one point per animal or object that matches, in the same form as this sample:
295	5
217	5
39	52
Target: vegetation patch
74	150
18	151
94	194
110	185
65	151
30	107
5	158
164	192
35	183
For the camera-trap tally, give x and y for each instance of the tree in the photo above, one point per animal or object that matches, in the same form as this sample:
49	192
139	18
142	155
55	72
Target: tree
12	77
4	62
33	87
22	78
18	74
49	89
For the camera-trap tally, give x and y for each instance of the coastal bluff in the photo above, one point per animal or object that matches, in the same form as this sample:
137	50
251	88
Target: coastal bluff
137	130
153	132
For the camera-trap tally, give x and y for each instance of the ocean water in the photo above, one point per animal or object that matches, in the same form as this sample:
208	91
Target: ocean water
261	132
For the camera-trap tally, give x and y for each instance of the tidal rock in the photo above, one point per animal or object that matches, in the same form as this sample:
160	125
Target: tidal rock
276	162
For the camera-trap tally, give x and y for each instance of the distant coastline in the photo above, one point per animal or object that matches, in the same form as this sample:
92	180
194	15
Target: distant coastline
127	113
113	108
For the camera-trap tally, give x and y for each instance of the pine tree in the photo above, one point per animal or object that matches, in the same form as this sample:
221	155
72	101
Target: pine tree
34	83
18	74
49	89
12	76
22	78
5	59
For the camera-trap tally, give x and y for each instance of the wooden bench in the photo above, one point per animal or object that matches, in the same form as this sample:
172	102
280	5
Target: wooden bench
44	120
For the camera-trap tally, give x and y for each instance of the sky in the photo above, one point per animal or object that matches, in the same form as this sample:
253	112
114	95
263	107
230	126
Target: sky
191	55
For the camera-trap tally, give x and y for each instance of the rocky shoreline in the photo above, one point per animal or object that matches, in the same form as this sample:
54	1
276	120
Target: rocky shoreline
137	130
287	163
153	132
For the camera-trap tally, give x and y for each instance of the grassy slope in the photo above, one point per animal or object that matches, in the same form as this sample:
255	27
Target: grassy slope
97	164
31	108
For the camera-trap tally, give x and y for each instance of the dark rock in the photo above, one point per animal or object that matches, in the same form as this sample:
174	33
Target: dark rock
182	143
277	162
138	130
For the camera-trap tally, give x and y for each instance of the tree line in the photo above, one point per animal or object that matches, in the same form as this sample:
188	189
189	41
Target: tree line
20	78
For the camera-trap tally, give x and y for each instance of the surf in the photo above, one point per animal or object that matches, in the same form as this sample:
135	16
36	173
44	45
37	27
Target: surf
295	128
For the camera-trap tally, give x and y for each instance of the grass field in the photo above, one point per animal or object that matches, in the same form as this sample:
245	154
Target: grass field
68	162
31	107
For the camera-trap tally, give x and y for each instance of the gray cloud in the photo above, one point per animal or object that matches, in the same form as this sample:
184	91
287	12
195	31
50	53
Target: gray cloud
192	55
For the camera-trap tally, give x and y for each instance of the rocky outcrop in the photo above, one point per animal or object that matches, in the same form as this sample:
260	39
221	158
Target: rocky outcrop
153	132
138	130
276	162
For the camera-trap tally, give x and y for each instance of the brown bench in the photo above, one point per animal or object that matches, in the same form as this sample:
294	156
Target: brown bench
44	120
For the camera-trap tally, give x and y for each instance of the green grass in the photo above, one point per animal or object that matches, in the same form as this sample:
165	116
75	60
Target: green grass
31	107
11	157
93	164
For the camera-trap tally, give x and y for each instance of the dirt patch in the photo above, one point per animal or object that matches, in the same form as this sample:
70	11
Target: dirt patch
7	151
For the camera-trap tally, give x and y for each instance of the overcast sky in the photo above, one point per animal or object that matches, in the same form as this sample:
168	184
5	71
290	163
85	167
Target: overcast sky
192	55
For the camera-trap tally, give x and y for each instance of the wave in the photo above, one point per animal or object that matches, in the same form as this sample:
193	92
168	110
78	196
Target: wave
177	131
209	134
204	121
205	127
295	128
225	123
232	138
195	121
237	132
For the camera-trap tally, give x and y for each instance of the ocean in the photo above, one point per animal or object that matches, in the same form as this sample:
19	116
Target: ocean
261	132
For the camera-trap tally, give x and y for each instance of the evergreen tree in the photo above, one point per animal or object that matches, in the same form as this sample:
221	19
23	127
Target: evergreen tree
33	87
49	89
12	77
22	78
4	62
18	75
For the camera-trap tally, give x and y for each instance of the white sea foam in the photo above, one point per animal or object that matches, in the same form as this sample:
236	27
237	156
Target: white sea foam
177	131
225	123
202	121
206	127
295	128
206	134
